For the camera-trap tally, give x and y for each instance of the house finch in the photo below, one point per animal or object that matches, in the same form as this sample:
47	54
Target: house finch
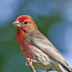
37	48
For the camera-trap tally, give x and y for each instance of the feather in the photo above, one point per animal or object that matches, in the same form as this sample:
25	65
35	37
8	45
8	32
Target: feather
38	39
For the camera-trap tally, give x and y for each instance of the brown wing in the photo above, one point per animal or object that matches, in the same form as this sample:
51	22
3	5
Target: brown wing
39	40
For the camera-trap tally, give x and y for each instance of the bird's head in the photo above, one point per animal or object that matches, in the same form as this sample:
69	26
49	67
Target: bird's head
25	23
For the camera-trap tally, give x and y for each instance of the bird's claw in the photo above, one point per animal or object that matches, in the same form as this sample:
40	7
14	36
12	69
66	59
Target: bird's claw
29	64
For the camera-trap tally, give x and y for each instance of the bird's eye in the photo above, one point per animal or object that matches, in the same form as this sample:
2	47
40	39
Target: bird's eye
25	22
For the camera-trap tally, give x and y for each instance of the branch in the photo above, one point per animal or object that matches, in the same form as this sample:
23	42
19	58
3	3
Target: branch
32	69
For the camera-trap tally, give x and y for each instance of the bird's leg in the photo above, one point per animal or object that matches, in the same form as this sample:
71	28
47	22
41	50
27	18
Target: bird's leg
29	64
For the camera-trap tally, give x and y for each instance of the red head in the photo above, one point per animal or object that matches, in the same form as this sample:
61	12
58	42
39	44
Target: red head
25	23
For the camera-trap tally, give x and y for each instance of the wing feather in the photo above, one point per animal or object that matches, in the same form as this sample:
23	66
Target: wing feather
39	40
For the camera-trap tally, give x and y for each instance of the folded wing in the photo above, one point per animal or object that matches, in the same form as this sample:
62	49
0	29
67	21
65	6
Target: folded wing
39	40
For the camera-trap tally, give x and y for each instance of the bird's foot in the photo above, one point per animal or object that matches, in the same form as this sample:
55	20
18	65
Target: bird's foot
29	64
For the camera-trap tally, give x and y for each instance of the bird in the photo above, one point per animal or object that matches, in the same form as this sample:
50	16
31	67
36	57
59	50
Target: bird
37	48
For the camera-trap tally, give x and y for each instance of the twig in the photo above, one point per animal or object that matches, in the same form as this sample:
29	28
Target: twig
32	69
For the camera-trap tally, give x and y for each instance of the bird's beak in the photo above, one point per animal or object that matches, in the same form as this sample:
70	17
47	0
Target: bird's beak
16	23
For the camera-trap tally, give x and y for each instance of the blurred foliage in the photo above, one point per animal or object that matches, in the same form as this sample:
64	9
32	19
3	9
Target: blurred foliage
46	22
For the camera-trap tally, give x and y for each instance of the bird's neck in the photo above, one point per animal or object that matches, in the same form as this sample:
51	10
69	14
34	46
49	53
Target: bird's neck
20	35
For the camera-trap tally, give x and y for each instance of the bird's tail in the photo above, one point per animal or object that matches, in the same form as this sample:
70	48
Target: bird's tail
65	69
70	70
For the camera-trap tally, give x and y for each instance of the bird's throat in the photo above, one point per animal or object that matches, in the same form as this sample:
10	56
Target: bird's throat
20	35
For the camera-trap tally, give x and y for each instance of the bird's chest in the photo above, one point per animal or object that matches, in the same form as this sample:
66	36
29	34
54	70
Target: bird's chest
26	48
24	44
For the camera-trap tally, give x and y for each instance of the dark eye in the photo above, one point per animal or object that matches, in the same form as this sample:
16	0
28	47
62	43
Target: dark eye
25	22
